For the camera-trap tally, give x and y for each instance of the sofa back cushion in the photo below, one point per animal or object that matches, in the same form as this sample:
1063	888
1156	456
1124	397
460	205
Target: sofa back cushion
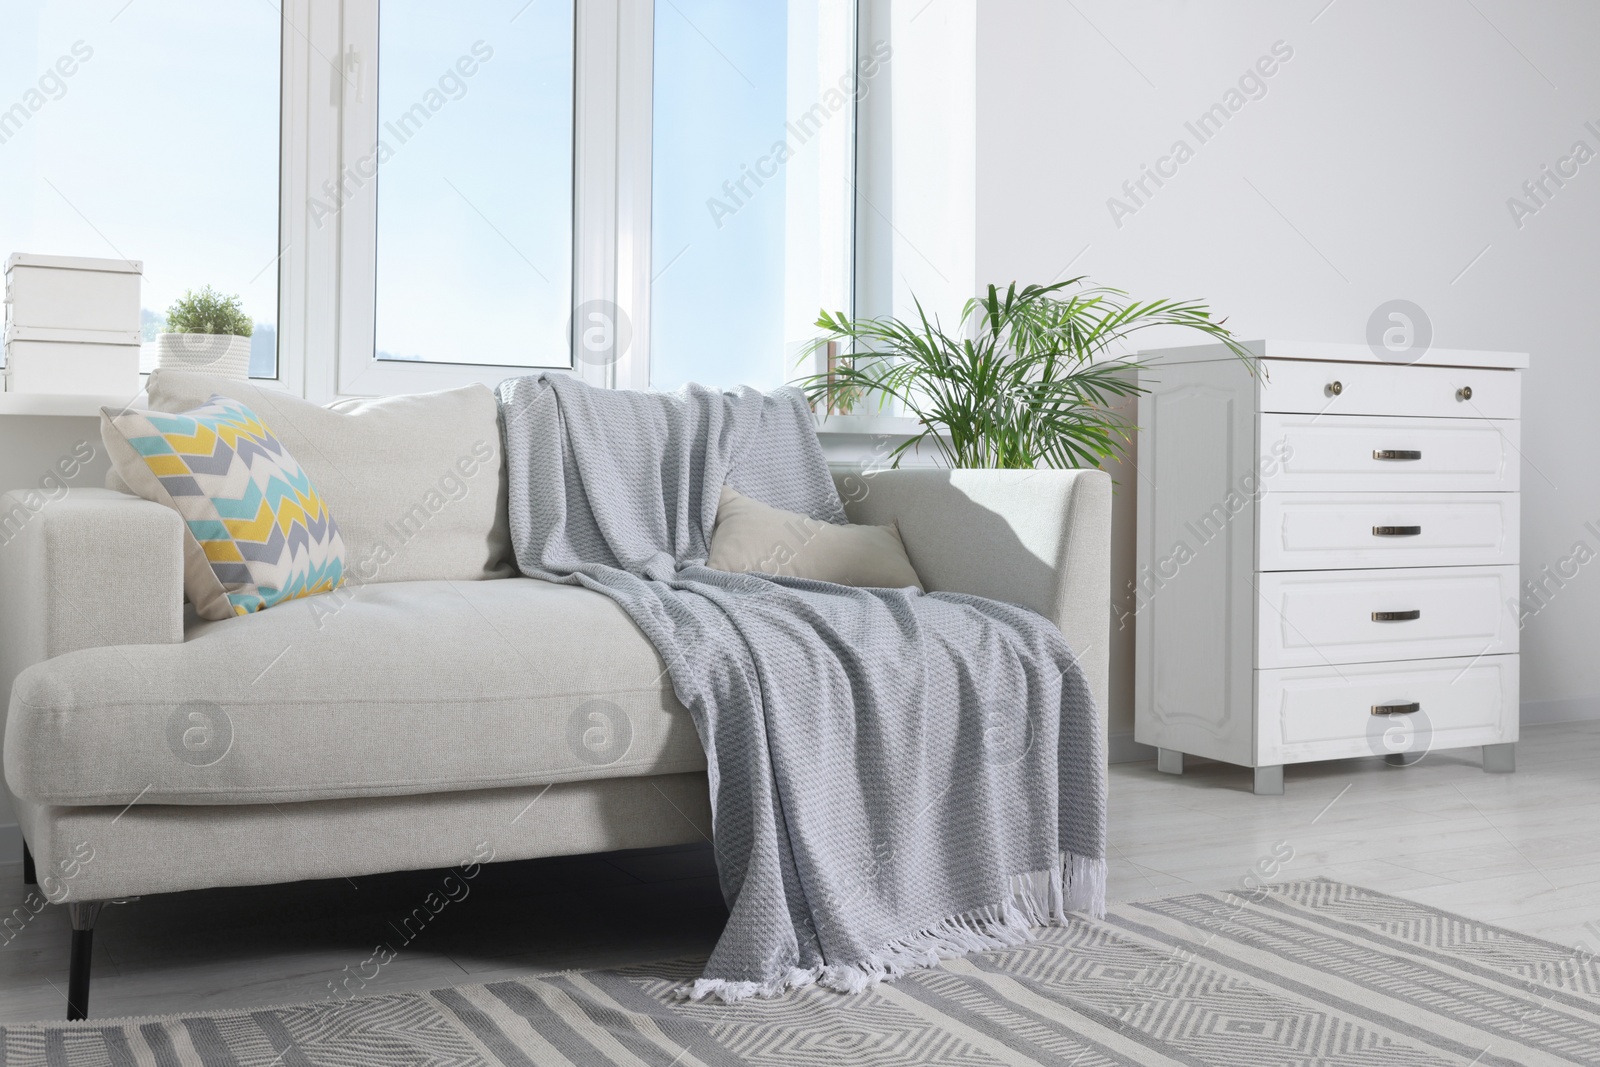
417	482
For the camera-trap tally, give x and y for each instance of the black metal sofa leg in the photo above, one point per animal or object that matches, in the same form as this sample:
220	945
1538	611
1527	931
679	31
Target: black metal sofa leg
29	875
83	917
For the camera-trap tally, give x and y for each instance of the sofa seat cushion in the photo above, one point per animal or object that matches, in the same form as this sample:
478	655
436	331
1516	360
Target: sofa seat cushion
386	690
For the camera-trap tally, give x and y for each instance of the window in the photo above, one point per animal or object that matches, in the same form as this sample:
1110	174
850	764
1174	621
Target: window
643	193
410	195
147	131
454	215
474	152
753	176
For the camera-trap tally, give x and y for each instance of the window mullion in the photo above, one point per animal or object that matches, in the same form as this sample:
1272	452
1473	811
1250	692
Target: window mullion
295	265
309	267
595	152
635	145
346	204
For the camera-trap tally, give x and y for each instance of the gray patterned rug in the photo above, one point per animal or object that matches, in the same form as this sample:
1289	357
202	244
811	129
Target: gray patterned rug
1311	972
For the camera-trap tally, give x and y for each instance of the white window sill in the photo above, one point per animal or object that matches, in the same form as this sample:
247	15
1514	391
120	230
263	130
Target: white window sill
89	405
71	404
869	425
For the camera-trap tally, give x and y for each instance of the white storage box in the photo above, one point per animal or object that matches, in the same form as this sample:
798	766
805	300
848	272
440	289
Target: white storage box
66	361
73	293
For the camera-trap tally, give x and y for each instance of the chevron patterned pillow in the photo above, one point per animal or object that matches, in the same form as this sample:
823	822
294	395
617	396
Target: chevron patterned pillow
256	531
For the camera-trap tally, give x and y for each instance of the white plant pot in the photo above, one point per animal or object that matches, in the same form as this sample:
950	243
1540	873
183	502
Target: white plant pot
212	353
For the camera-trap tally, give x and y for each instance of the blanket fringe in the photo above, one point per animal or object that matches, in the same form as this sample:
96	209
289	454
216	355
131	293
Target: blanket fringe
1039	898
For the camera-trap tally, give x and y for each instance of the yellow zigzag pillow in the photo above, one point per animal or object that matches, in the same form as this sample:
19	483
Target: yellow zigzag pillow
256	531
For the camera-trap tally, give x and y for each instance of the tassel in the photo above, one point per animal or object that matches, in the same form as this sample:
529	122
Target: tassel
1038	898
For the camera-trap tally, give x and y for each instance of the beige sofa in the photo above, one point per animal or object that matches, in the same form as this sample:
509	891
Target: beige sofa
411	724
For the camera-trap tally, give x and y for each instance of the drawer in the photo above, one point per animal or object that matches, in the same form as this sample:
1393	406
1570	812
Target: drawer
1376	454
1316	531
1315	618
1294	385
1312	713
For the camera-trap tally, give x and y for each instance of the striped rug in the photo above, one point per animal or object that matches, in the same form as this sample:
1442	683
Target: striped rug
1304	973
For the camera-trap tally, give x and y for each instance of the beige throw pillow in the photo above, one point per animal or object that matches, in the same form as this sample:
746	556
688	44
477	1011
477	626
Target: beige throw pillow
417	482
753	537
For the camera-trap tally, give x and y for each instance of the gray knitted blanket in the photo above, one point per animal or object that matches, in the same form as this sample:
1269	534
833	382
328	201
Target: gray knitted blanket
896	777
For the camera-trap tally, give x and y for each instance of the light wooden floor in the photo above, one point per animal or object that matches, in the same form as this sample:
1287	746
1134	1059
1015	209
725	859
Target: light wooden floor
1521	850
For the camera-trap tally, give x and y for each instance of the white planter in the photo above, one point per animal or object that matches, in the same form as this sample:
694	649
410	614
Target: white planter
212	353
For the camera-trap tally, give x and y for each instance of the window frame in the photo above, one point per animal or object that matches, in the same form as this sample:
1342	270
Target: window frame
327	273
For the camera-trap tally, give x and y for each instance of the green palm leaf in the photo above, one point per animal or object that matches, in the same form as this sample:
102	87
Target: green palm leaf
1031	380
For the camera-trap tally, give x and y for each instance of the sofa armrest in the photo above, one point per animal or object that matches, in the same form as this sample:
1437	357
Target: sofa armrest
1041	539
92	568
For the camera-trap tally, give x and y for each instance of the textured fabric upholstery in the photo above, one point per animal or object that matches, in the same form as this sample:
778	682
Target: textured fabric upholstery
91	569
399	688
416	482
155	848
1041	539
754	538
103	571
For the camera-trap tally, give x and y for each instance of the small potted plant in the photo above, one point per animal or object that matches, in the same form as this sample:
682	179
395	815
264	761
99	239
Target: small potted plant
206	331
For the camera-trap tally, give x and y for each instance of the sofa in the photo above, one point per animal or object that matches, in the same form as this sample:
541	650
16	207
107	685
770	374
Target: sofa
428	714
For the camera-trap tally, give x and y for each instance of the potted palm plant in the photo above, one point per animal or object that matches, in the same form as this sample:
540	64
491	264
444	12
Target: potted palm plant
206	331
1031	378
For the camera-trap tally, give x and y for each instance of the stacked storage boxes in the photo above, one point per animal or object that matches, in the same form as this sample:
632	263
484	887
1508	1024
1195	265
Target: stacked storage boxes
72	325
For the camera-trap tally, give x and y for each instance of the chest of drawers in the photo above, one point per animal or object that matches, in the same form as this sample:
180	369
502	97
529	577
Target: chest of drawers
1327	562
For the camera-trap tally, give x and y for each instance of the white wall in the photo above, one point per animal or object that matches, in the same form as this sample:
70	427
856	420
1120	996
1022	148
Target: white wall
1377	165
916	165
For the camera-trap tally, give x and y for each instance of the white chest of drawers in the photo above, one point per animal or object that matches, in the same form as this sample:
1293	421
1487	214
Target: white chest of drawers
1327	556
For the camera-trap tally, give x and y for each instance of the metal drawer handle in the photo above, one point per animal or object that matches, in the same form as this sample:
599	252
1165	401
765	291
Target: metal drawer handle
1396	531
1397	616
1396	709
1335	388
1464	393
1396	453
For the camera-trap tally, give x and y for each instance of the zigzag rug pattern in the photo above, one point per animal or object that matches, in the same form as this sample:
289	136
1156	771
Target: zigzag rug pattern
1302	974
